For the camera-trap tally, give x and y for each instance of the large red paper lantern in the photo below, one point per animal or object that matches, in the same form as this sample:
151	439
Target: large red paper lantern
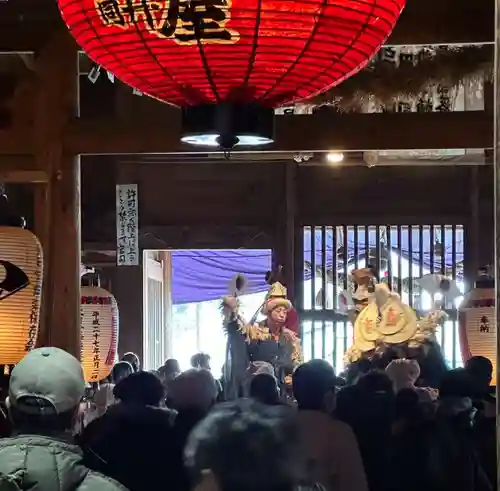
245	55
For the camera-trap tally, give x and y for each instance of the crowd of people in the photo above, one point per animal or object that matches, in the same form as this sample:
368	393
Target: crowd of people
172	430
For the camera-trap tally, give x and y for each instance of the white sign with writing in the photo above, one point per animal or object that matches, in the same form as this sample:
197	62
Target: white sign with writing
127	225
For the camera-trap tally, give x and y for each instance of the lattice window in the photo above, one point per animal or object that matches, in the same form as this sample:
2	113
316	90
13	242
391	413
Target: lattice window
401	254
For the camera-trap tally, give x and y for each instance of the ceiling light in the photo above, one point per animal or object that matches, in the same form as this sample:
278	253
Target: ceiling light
334	157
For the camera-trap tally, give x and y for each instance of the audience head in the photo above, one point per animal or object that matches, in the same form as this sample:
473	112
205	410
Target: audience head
403	373
314	384
201	360
139	389
264	389
192	389
456	383
45	391
480	369
170	369
375	382
133	359
245	446
121	370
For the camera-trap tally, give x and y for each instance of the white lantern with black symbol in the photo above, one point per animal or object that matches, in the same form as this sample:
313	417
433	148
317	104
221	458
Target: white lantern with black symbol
477	323
21	273
99	332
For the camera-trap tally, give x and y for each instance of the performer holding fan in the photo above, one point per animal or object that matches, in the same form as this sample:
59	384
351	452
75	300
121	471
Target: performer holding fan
269	346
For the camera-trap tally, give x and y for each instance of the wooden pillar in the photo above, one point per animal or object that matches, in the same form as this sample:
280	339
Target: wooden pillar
290	232
55	107
496	183
41	229
63	286
285	233
129	283
128	290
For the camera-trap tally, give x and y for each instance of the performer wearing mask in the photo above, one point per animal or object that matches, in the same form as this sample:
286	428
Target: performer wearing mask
268	346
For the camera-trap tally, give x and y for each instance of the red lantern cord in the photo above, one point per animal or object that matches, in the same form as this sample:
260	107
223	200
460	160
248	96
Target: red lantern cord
192	52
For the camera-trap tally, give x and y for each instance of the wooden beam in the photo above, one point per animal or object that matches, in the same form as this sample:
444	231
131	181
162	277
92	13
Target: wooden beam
323	131
12	163
23	176
445	22
18	169
422	22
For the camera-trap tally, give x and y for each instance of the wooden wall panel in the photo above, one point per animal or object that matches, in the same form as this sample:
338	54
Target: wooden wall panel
230	204
227	193
127	287
385	194
232	193
98	197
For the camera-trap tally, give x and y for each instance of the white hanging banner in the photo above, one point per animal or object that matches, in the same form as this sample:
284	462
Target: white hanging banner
127	225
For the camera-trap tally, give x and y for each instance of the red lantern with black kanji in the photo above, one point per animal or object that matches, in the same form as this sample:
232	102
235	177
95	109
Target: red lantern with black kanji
228	63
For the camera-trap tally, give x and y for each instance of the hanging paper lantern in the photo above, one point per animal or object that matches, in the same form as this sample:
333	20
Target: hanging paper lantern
99	333
229	62
477	322
21	272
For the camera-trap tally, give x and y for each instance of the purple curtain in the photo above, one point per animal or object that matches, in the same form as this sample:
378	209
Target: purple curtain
200	275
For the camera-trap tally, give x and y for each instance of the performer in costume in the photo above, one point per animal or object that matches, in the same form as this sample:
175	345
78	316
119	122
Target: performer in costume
362	281
388	329
269	346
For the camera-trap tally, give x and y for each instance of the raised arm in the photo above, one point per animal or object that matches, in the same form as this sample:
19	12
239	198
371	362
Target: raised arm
236	352
232	321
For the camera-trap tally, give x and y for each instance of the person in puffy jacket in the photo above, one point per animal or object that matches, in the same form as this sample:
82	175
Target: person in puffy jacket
45	392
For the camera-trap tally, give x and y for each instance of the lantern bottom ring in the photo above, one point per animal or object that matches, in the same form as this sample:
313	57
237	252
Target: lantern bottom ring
214	140
227	125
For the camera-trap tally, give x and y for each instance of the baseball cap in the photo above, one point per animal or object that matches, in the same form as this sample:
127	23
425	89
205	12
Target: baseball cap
46	381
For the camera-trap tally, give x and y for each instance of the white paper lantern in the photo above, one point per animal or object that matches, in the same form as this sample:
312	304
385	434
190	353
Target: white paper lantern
21	272
99	333
477	323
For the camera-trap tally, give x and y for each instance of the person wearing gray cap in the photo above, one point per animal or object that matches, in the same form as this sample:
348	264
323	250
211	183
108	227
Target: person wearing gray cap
45	391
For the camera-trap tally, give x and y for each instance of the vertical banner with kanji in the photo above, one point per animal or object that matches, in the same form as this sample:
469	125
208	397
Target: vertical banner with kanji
127	225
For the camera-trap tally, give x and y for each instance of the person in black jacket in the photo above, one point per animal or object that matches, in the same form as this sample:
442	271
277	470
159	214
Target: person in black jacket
132	441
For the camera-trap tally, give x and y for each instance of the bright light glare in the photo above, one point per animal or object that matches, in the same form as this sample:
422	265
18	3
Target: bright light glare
334	157
210	140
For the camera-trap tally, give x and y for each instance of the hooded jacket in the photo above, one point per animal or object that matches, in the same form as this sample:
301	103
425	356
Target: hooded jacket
39	463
